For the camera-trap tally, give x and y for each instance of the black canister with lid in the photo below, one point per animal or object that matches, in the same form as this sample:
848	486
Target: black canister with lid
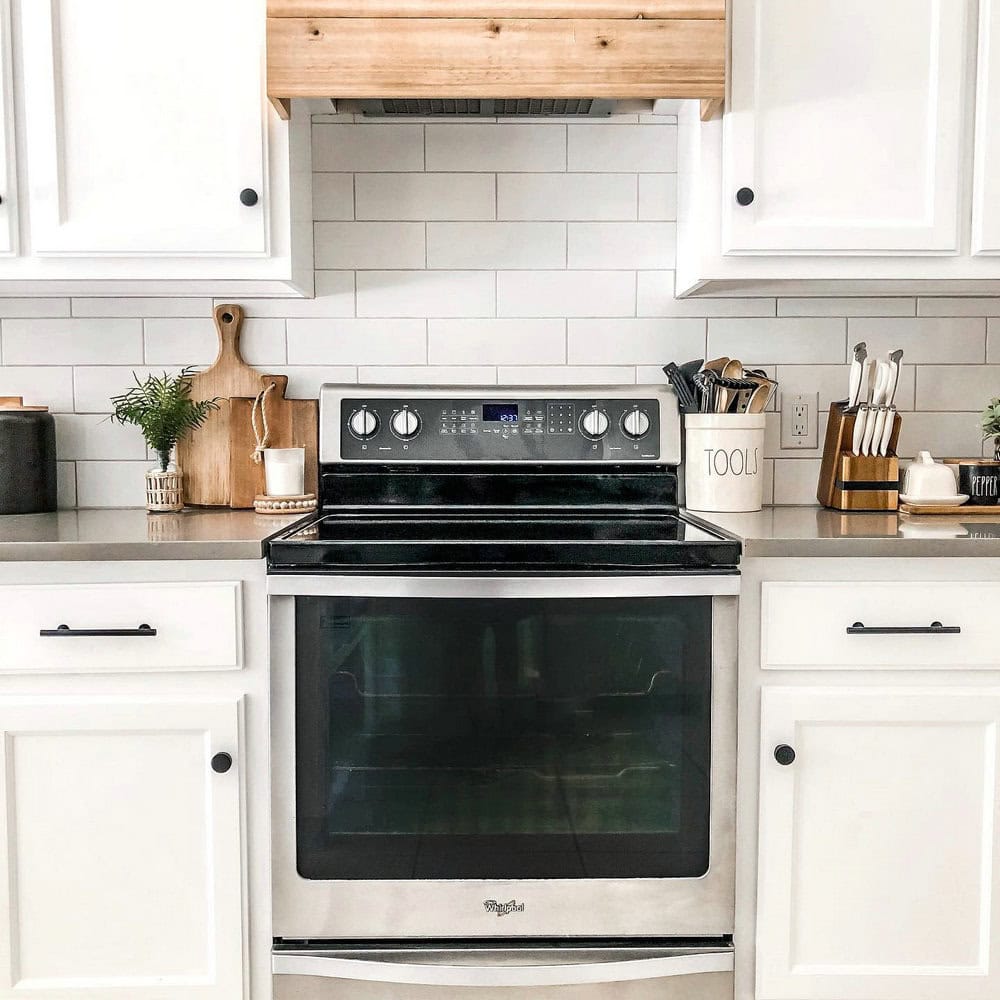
27	458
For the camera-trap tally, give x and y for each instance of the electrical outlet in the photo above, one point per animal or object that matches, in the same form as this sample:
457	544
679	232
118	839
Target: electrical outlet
800	420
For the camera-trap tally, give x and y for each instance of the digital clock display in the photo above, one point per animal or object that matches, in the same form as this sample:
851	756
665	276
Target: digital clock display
504	413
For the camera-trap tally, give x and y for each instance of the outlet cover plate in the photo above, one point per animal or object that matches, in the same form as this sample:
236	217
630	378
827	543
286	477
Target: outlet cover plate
800	420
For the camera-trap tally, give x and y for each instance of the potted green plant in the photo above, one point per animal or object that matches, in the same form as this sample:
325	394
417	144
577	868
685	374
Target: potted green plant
162	408
991	425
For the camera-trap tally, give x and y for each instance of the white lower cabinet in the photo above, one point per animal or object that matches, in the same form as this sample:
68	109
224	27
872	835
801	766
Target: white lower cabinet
121	848
877	844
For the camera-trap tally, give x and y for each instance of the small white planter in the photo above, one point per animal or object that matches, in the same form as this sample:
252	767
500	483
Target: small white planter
724	462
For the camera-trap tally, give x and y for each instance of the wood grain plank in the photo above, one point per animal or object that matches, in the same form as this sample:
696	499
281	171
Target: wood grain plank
390	57
710	107
607	9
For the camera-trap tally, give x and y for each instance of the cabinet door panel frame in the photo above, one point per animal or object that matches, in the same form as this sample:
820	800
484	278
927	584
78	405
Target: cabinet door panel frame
787	714
218	724
986	170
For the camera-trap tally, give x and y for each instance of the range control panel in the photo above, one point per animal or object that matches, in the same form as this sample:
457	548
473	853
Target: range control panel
480	429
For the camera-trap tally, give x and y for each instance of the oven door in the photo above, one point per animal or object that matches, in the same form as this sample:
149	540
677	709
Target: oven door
523	757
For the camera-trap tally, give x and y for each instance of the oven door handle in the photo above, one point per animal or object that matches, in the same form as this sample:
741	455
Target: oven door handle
556	967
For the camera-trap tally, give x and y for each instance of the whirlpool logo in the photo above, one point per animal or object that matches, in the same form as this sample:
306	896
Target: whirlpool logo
503	909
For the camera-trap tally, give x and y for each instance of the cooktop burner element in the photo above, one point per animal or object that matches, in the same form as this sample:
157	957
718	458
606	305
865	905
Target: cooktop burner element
484	481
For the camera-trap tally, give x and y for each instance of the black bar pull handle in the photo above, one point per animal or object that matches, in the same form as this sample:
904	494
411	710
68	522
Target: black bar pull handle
65	630
935	628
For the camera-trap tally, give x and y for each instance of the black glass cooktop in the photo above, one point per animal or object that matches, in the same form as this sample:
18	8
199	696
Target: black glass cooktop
493	540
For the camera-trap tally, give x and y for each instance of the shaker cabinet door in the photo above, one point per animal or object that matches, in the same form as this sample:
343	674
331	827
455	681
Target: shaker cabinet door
878	842
986	182
120	850
844	126
144	127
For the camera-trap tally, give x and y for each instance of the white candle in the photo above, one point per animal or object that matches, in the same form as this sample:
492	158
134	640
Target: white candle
284	472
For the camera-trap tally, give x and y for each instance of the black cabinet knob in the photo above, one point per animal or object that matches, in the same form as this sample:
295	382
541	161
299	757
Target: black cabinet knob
745	196
249	197
221	763
784	754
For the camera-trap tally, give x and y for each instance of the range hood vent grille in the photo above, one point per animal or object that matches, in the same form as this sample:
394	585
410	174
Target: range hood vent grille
533	107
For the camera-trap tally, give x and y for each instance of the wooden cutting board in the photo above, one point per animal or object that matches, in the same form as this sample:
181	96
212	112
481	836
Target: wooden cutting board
292	423
204	455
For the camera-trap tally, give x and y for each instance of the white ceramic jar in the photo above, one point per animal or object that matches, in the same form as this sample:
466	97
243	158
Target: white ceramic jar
724	462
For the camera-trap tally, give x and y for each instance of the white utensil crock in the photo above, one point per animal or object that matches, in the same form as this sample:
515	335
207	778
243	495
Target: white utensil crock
724	462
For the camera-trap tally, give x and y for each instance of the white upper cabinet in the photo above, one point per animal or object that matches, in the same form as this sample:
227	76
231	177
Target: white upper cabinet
986	205
845	126
144	126
878	844
120	849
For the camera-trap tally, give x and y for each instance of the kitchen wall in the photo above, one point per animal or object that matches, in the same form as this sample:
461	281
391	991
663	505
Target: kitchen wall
478	252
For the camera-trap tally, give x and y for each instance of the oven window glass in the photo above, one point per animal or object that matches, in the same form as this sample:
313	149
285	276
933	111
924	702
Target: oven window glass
502	738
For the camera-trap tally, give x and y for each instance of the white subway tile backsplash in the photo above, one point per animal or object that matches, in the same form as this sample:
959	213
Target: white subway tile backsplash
658	197
571	197
426	293
425	197
71	341
655	297
425	375
846	307
65	485
942	434
350	148
923	341
111	484
795	480
607	146
94	385
184	342
958	306
42	386
957	387
631	245
557	375
492	147
119	307
496	342
565	293
370	245
634	341
334	298
496	245
82	436
357	341
28	308
797	341
333	197
483	252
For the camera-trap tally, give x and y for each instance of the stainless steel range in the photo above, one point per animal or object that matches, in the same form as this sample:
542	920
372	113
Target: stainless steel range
503	732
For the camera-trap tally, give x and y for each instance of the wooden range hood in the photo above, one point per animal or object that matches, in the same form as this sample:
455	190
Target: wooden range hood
476	49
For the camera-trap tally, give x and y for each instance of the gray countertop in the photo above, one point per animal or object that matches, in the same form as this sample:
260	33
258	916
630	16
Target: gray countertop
804	532
807	532
131	534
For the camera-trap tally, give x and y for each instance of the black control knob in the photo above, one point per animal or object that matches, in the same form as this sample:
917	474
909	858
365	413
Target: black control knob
745	196
784	754
248	197
221	763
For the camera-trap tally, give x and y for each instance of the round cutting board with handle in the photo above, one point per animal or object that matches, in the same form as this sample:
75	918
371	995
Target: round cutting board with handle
204	455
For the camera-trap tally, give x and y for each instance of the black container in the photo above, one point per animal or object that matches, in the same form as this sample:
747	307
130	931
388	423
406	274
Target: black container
980	479
27	458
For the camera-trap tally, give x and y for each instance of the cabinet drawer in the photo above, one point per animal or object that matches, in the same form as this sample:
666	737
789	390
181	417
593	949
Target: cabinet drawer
189	626
804	626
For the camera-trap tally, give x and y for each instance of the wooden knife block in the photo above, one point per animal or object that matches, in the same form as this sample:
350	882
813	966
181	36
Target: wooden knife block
856	482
